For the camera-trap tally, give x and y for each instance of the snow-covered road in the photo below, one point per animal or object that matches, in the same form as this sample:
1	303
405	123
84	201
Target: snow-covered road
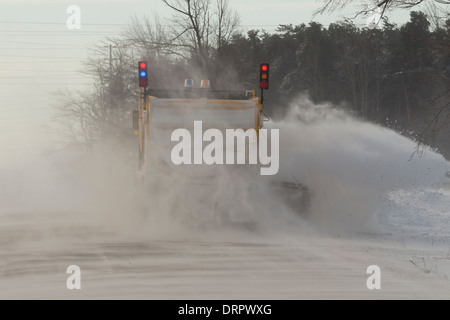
372	205
226	264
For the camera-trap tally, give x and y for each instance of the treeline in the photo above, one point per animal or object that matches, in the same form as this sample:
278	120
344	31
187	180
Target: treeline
396	74
379	74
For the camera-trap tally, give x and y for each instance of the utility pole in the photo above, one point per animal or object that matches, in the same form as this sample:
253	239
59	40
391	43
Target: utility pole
110	65
110	77
110	61
111	108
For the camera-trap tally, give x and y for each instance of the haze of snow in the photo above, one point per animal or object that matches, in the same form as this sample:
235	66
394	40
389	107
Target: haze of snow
370	202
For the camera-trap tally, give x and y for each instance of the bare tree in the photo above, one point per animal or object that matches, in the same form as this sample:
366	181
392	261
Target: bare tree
438	103
98	114
385	5
192	26
436	15
194	34
196	31
227	23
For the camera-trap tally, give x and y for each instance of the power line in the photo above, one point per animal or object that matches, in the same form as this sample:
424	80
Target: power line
37	77
65	34
28	97
18	120
120	24
34	62
47	84
62	23
37	57
35	48
41	83
17	107
46	44
41	70
37	103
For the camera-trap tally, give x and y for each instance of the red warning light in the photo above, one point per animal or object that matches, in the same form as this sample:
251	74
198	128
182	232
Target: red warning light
264	76
143	76
143	83
264	84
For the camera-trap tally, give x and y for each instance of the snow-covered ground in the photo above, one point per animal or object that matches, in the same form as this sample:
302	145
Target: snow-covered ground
373	204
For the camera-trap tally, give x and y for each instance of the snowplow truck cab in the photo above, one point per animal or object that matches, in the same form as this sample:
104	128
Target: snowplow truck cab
162	113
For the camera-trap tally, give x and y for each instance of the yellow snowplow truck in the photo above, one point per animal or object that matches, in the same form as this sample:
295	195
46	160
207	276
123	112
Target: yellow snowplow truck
198	153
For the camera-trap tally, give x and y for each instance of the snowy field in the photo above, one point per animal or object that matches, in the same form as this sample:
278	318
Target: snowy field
373	204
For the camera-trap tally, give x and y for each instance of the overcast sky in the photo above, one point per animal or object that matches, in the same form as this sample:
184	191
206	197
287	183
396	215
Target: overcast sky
39	54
